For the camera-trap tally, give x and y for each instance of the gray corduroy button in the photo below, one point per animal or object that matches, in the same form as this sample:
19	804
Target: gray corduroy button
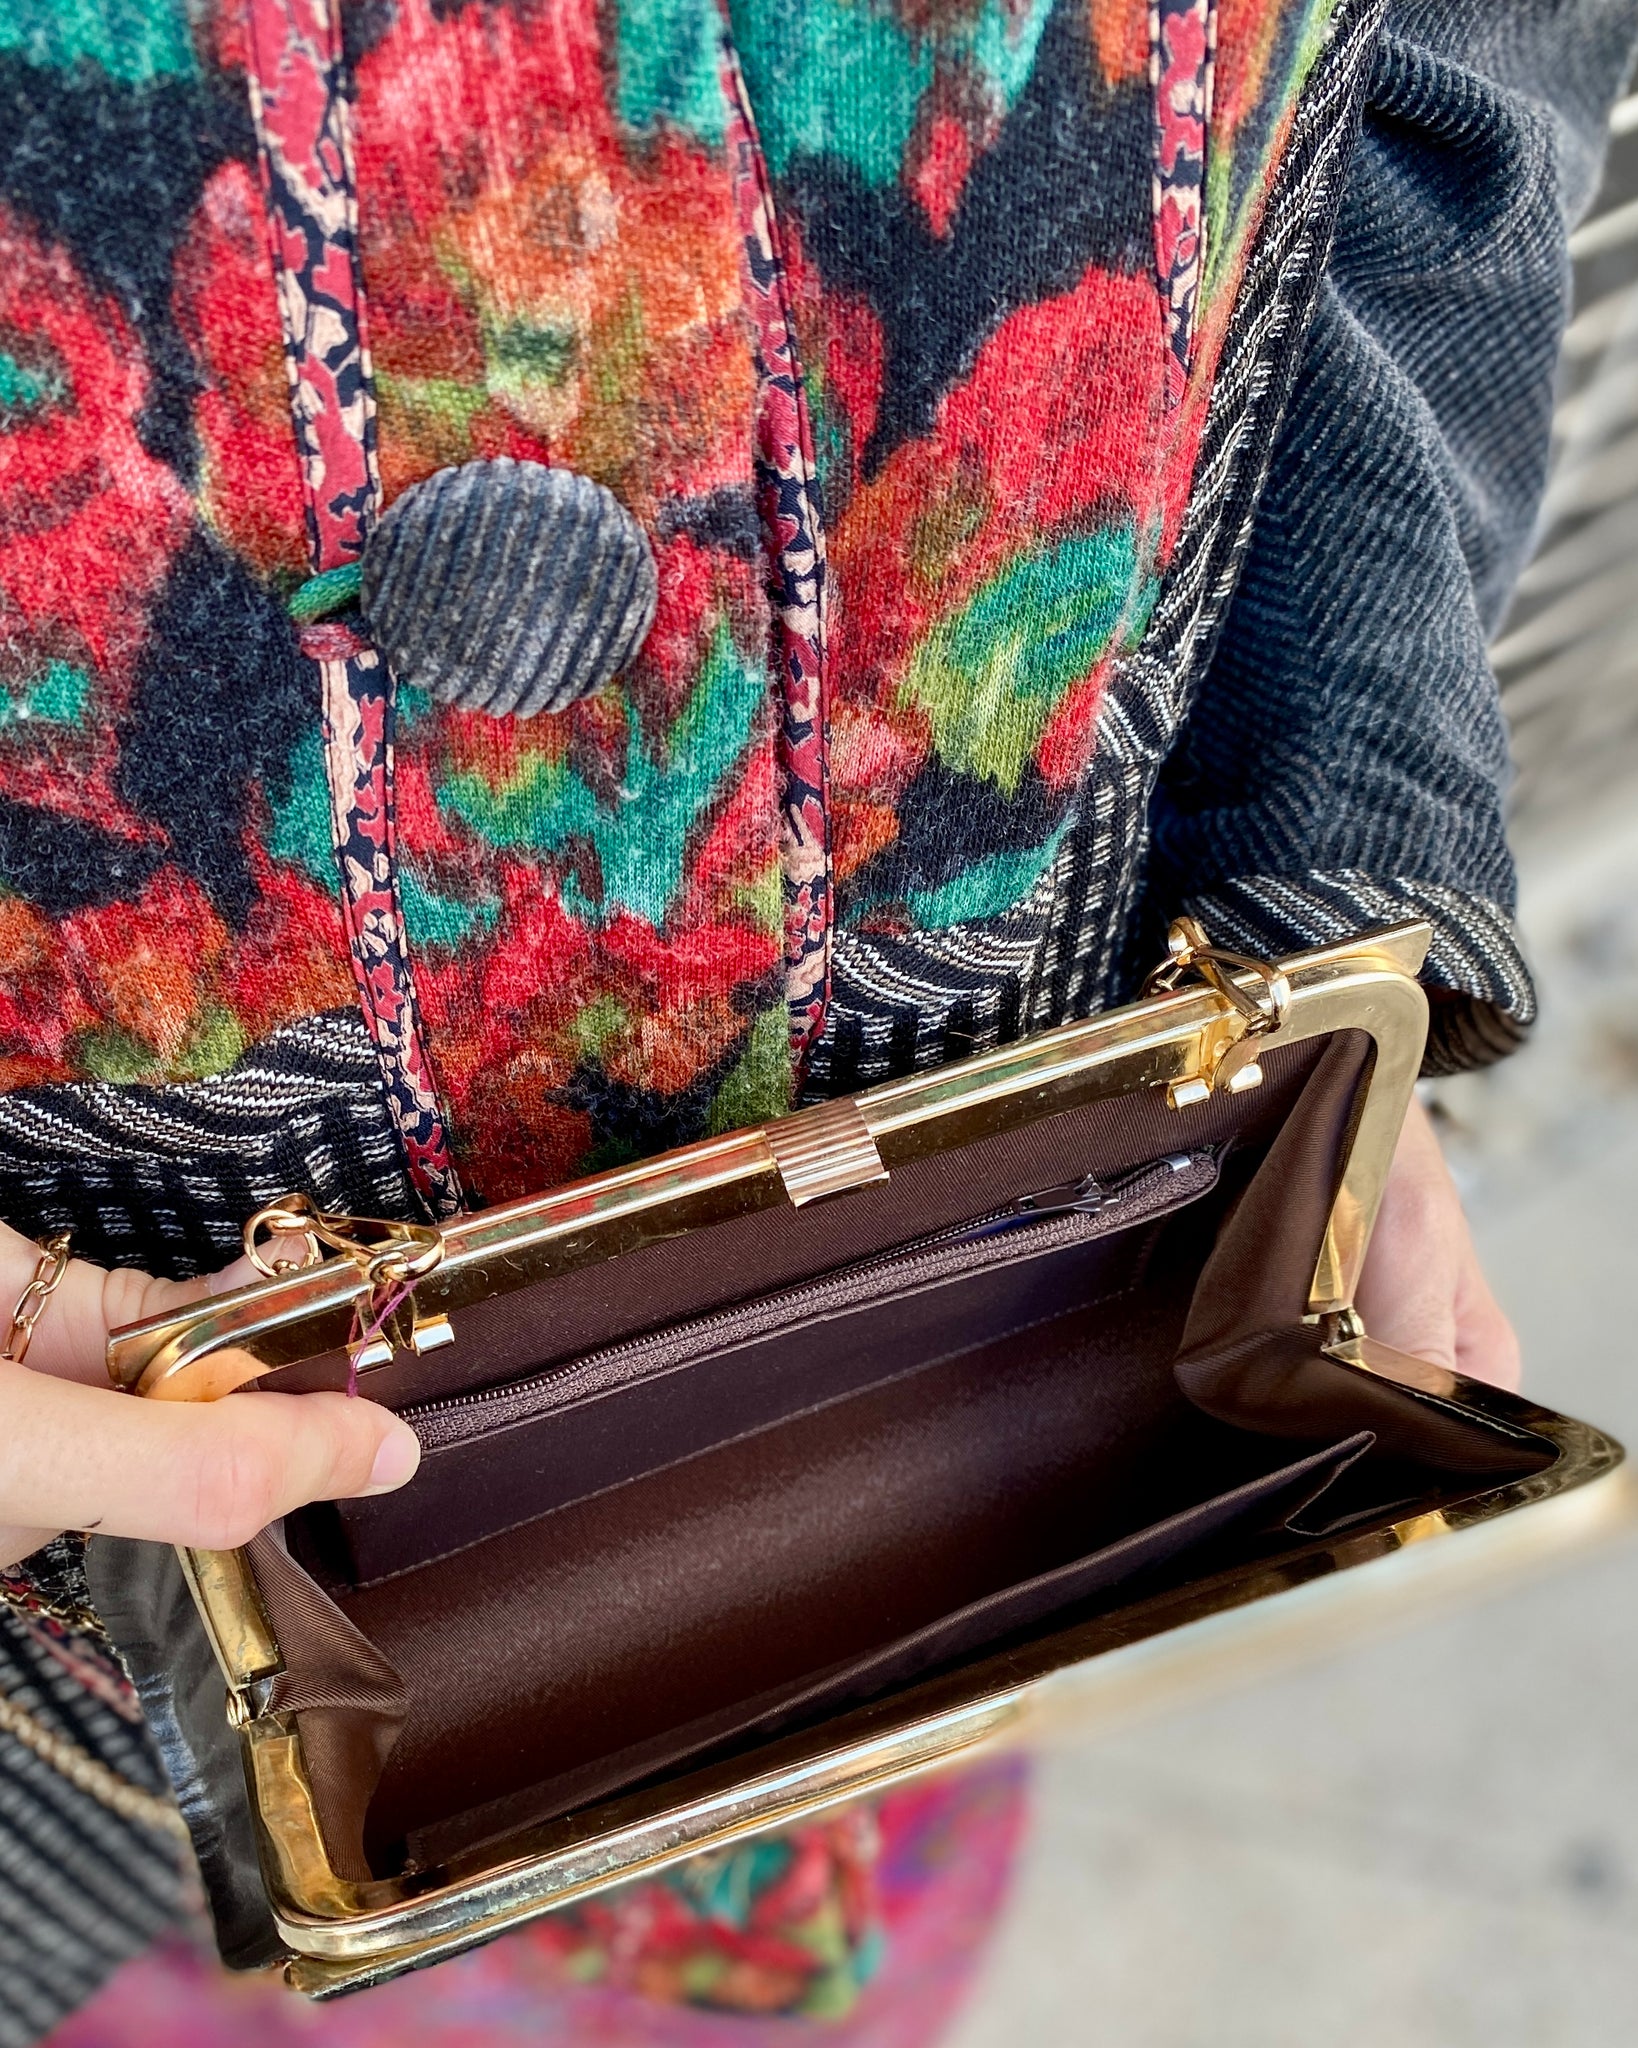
508	587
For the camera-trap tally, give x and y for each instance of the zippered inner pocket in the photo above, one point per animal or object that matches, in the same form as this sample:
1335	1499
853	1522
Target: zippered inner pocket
511	1453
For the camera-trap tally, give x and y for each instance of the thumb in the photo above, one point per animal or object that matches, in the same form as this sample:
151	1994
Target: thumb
1407	1292
209	1476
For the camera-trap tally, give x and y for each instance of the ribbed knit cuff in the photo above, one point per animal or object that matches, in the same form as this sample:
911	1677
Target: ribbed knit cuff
1483	1000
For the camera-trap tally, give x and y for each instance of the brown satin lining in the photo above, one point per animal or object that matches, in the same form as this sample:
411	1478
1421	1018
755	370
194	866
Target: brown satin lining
695	1386
809	1545
1248	1357
1261	1503
350	1700
786	1571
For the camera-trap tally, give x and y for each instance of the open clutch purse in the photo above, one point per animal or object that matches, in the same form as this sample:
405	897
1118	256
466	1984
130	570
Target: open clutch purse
761	1474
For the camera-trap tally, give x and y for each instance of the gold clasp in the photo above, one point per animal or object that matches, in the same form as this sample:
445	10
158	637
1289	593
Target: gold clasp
391	1256
1253	1011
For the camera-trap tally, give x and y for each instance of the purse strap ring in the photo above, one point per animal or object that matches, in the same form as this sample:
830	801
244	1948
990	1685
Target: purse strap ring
1189	951
388	1253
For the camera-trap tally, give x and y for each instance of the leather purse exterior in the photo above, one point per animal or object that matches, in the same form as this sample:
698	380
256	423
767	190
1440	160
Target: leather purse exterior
142	1595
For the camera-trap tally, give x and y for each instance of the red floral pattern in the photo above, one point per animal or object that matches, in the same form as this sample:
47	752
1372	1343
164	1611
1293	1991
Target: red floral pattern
619	917
250	490
593	898
90	523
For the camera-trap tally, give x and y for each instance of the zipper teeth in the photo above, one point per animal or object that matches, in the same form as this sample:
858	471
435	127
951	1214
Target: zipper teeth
1115	1192
1110	1195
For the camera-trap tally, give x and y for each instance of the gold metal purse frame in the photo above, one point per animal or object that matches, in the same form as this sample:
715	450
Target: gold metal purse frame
1192	1038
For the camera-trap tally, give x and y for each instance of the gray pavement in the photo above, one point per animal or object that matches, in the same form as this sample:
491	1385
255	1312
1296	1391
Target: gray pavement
1430	1841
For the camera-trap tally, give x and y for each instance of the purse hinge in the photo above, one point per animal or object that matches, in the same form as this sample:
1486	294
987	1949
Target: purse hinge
249	1700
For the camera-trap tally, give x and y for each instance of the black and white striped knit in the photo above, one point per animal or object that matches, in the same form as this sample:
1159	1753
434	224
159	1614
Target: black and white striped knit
163	1177
1344	762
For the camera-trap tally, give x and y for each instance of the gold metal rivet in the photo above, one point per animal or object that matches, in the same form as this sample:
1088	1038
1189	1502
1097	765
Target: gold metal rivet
366	1357
1248	1076
1185	1094
432	1333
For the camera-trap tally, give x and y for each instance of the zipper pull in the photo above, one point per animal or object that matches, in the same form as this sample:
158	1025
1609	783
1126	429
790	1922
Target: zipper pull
1083	1197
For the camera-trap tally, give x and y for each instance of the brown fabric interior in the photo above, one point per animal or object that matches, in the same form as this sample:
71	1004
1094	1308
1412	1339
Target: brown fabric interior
350	1700
1047	1458
1247	1356
700	1385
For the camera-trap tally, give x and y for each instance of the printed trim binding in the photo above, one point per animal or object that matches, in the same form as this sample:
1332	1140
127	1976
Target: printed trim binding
1182	56
788	497
299	102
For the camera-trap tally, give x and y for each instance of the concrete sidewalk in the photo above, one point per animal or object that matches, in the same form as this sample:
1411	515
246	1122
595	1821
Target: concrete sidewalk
1431	1841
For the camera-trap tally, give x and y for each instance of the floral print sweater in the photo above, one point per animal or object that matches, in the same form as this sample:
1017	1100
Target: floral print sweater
941	353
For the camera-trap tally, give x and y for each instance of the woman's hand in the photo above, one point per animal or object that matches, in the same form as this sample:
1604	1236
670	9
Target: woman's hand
1423	1290
75	1454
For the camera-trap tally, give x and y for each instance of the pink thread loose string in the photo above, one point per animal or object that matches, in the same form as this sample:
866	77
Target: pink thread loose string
383	1308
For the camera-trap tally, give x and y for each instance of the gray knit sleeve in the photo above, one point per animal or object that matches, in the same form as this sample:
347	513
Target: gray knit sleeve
1344	763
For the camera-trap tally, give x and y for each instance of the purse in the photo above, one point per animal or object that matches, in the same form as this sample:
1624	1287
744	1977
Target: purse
763	1474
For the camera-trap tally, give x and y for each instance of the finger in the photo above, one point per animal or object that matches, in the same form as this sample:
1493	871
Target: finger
208	1475
72	1336
16	1544
1487	1347
1407	1292
63	1340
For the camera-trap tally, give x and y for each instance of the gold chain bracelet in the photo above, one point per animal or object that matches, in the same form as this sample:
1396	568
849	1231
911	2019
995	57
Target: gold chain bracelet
47	1277
49	1269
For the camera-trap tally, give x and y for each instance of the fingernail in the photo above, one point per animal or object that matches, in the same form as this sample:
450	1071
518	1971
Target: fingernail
395	1461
